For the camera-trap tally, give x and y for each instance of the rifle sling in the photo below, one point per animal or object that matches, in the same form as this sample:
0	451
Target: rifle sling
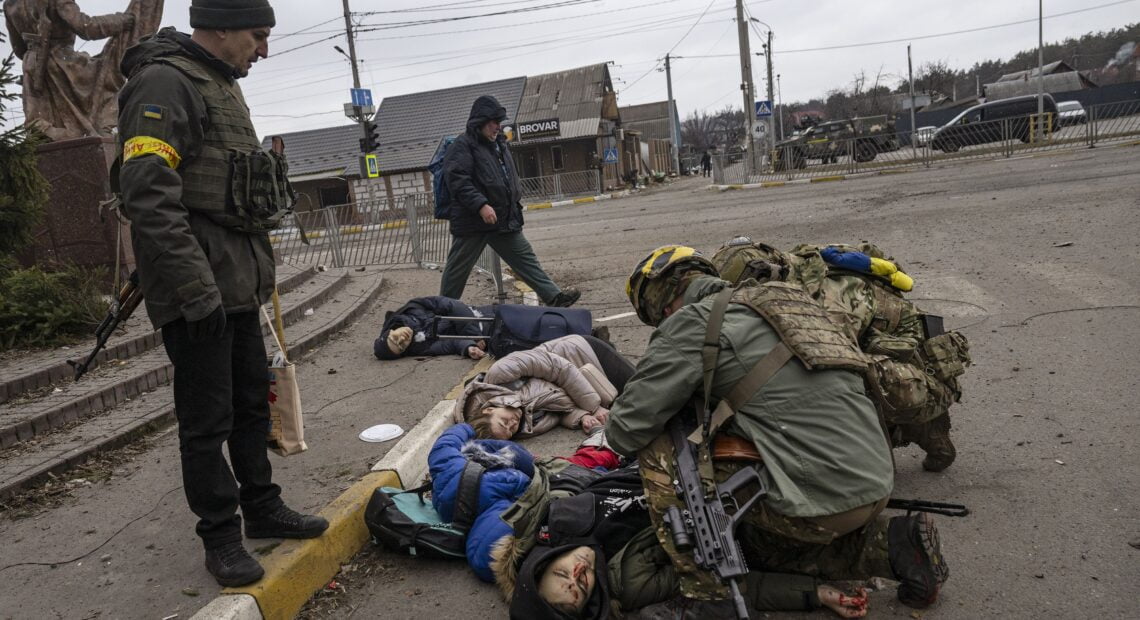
744	389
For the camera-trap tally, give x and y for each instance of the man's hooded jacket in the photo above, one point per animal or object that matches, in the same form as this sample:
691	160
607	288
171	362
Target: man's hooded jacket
480	172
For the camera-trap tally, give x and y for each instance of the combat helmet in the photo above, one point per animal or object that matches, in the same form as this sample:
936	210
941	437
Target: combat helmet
741	258
658	279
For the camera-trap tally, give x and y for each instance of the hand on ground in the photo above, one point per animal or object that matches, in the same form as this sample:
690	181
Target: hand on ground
845	605
589	423
475	353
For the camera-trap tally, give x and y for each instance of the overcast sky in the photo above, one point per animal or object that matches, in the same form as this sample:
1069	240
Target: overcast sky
305	88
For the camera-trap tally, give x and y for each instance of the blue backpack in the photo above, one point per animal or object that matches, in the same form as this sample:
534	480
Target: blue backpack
438	184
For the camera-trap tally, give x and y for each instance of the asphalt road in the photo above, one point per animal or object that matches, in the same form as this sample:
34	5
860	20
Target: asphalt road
1035	259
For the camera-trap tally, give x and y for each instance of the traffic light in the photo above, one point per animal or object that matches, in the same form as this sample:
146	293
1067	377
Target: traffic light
371	140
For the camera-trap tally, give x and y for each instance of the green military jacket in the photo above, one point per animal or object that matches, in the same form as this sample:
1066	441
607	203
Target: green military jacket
189	262
819	434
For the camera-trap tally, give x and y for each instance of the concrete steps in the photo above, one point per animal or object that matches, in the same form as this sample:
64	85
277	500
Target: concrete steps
43	369
140	397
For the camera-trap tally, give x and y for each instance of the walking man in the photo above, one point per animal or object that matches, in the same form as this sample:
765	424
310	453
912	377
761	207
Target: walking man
206	265
486	210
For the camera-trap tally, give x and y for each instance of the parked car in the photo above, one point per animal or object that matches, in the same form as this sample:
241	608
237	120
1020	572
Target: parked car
1071	113
982	124
922	135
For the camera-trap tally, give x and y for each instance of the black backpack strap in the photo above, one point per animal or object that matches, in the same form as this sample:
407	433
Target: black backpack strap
467	497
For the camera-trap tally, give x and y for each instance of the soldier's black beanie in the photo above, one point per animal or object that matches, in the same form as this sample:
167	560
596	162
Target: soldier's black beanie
231	14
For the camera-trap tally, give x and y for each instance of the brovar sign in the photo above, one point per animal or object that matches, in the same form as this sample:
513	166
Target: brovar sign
539	129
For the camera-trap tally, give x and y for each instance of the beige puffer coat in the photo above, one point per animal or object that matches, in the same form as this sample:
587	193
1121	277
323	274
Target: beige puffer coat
549	382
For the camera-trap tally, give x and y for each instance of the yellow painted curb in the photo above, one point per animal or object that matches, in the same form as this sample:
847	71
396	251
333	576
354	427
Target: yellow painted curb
892	171
773	184
523	287
579	201
298	568
541	205
826	179
736	186
396	224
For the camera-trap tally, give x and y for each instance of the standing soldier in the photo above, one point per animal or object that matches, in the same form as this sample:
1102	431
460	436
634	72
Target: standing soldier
201	196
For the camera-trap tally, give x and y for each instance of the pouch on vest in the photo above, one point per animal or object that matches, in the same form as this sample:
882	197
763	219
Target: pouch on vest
259	188
906	394
946	355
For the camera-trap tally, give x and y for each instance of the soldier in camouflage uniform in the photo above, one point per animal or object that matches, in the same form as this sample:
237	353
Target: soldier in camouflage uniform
917	374
827	464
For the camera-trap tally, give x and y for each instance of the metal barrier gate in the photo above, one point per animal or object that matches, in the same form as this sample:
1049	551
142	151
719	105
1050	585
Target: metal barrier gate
377	232
1100	124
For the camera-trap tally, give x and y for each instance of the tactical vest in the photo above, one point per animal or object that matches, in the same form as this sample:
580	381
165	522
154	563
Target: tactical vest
232	180
803	325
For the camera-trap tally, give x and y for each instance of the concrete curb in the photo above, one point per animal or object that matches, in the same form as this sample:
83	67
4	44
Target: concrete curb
297	568
575	201
824	179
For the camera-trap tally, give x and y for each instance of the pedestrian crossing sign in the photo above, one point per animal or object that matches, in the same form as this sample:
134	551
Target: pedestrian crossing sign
763	108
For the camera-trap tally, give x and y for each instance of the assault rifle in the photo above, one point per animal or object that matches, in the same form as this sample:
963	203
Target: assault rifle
921	505
120	311
707	524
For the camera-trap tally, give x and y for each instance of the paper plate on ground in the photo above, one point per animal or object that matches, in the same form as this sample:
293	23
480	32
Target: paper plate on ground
381	432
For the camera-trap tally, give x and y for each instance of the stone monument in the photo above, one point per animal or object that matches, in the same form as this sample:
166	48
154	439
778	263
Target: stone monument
71	97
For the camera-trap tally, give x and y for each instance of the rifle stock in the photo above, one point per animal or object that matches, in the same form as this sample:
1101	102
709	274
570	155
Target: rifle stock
707	524
129	298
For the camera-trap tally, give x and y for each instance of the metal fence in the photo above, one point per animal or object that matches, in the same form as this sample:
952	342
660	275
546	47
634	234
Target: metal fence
559	186
1100	124
377	232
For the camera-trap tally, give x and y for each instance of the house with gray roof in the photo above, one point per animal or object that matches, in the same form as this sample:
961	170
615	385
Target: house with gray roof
566	122
324	164
1058	77
651	122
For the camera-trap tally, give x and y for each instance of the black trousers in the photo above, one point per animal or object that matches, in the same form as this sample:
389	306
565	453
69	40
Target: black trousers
221	391
618	369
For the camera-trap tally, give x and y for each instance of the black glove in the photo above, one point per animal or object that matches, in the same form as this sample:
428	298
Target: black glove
211	327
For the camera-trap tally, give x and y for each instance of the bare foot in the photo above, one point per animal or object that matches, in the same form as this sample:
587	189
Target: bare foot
845	605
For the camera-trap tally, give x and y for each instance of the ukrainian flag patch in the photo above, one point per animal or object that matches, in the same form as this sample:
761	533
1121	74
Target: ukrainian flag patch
152	111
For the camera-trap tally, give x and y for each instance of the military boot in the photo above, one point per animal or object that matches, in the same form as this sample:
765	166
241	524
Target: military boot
916	558
935	441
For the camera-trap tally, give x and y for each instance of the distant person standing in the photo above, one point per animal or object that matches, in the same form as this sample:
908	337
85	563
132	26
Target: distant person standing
485	207
706	163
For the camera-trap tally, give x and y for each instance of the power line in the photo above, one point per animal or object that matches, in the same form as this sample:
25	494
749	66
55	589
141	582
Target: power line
304	30
951	33
437	7
439	20
702	16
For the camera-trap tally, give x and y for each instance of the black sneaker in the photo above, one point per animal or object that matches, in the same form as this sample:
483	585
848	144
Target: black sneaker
565	298
916	558
232	566
285	522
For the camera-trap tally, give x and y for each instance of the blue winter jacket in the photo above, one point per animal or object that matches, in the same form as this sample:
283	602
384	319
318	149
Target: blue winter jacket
509	469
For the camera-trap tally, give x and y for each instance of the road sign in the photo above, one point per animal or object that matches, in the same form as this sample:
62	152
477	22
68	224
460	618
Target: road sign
763	108
610	155
361	96
371	167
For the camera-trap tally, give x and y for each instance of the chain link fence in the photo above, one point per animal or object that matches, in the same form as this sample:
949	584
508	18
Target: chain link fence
560	186
401	231
1097	125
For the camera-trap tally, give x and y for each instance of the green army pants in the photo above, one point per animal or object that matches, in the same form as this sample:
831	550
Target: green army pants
512	247
849	546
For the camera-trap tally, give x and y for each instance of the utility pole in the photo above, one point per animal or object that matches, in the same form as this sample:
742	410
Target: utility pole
1040	69
780	96
771	97
910	79
674	131
978	86
360	117
746	87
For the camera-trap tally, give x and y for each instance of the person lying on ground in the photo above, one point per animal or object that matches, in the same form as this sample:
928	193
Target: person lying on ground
412	330
593	553
509	471
565	381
